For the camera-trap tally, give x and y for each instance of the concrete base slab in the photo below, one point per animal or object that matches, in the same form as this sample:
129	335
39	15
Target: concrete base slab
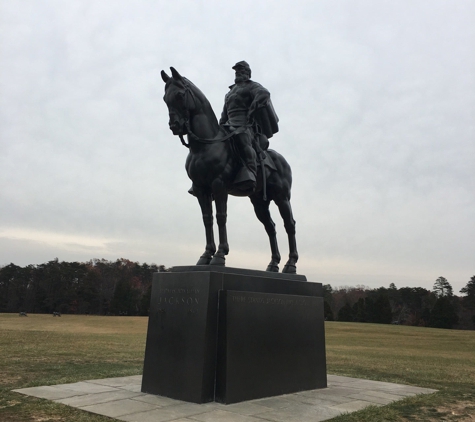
120	398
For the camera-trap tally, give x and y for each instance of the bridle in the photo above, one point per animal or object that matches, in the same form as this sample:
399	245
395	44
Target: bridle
190	96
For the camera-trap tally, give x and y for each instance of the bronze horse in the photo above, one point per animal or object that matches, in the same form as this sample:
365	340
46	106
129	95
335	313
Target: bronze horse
212	166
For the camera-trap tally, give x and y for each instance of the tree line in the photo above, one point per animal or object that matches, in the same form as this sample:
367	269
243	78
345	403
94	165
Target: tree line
98	286
438	308
123	287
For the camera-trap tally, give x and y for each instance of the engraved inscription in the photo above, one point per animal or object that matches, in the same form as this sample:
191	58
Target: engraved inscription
167	290
177	300
178	296
270	301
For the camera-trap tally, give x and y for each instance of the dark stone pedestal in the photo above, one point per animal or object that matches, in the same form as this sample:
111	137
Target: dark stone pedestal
268	345
266	339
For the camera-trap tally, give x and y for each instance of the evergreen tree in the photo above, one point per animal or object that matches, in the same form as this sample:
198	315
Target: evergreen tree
327	311
468	301
14	282
469	291
359	310
375	308
145	301
327	292
345	313
121	303
443	314
425	317
442	287
382	309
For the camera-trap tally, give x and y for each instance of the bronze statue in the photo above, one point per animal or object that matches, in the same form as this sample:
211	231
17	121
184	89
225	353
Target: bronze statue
248	105
217	154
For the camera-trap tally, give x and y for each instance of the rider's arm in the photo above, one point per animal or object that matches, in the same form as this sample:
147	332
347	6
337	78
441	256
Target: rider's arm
261	98
224	116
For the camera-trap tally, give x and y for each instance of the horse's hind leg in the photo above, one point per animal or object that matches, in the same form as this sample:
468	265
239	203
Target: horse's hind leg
289	223
206	205
261	209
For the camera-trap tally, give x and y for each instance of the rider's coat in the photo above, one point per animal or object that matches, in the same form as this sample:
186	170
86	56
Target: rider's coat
247	102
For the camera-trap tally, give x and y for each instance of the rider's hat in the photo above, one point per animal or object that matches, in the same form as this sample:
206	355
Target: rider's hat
243	64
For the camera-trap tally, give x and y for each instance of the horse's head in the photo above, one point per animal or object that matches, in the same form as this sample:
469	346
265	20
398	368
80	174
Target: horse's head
180	99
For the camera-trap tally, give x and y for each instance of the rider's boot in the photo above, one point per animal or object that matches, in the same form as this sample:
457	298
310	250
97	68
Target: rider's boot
246	177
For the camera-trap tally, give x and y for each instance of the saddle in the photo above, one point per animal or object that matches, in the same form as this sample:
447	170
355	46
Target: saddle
260	145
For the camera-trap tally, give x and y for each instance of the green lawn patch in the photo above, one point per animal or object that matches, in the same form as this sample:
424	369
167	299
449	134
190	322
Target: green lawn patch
424	357
43	350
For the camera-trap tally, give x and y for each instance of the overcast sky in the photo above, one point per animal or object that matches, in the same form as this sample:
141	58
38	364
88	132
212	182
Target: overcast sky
376	101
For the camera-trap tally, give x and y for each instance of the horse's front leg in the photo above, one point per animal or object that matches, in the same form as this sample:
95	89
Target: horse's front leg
221	201
206	204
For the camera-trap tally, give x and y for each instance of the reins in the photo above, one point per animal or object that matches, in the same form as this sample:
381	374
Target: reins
189	93
260	154
210	141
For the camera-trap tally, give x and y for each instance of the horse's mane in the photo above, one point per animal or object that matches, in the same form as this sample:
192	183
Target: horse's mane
201	97
196	91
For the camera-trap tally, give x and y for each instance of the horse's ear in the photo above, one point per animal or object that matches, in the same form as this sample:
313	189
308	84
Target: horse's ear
175	74
165	77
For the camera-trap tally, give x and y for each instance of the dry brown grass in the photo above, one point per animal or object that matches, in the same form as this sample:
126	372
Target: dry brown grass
45	350
74	324
425	357
42	349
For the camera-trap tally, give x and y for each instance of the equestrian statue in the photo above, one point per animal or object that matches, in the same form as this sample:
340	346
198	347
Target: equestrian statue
232	158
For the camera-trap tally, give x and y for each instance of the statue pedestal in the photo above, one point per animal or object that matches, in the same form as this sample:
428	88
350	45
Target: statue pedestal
229	335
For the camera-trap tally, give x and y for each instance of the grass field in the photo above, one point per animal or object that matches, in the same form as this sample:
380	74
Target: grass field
42	350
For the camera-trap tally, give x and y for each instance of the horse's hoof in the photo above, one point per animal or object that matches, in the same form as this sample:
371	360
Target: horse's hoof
218	260
204	260
289	269
273	268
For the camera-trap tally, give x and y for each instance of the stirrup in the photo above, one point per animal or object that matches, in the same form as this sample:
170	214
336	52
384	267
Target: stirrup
244	176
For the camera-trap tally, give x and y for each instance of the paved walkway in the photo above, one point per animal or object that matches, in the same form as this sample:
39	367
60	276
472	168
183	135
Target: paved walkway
120	398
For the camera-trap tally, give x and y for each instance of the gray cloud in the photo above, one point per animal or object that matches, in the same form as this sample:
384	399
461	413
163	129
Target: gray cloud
376	106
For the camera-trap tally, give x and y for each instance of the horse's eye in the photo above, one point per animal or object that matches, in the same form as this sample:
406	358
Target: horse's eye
180	100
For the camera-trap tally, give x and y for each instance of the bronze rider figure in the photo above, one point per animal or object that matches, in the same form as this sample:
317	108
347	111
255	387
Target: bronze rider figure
247	105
